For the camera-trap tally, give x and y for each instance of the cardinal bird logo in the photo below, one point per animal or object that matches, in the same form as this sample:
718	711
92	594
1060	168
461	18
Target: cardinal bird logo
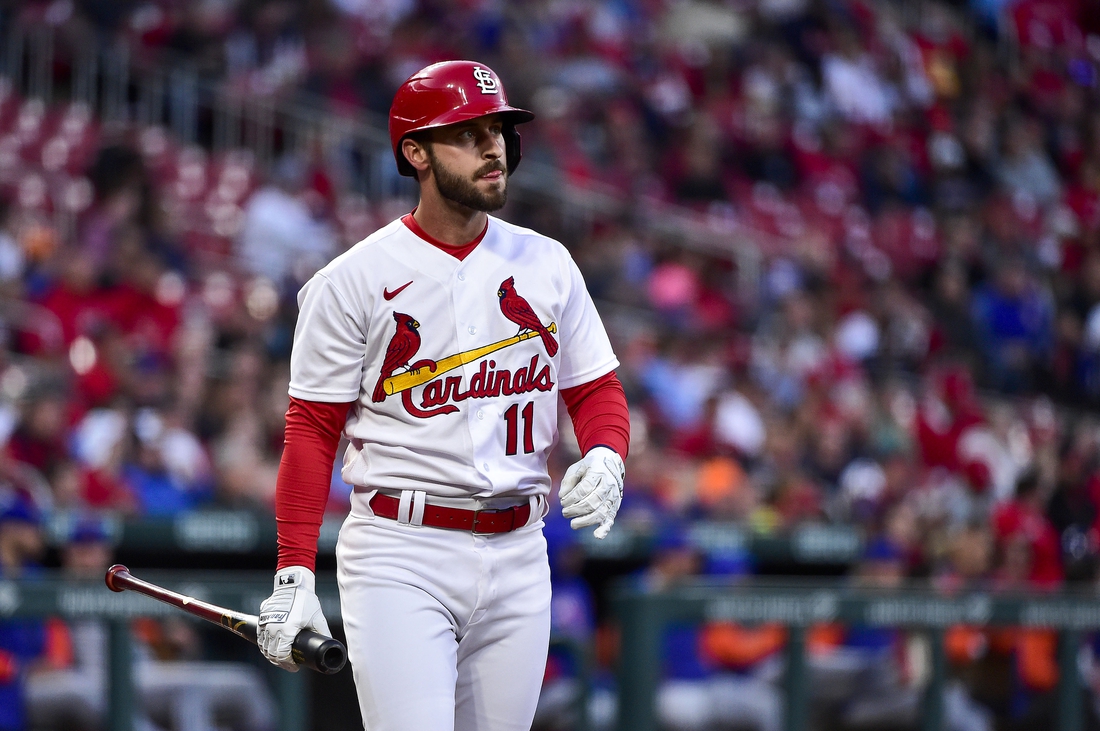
403	346
516	309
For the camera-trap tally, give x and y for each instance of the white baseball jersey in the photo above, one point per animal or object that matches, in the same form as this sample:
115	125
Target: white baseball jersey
449	362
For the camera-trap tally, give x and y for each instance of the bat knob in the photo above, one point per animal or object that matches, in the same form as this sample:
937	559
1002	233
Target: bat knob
112	573
319	652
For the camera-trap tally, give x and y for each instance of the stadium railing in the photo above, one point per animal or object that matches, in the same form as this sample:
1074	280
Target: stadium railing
801	604
226	533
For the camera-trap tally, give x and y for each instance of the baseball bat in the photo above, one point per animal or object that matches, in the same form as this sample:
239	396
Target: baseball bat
311	650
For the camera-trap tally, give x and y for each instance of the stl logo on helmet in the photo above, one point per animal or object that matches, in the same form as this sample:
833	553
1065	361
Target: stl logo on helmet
486	81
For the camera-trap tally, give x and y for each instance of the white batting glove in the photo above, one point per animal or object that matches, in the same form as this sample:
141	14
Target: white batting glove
592	490
292	607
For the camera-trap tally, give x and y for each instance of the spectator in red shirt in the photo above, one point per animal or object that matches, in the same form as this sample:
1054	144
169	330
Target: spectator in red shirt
39	439
1024	519
949	408
75	298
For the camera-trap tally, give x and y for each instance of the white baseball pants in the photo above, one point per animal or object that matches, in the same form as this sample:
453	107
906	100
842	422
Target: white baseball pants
446	630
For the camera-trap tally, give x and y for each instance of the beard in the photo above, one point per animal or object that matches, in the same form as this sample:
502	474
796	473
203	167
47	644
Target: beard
457	189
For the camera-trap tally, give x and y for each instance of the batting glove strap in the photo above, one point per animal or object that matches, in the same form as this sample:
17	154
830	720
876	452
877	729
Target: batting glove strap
592	490
292	607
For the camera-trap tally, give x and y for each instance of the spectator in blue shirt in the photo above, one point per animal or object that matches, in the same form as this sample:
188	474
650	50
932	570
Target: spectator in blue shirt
22	641
159	489
1015	321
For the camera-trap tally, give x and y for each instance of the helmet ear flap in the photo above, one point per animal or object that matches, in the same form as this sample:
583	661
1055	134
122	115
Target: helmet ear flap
511	146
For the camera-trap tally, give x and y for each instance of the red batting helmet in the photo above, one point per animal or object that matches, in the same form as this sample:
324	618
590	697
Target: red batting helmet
450	92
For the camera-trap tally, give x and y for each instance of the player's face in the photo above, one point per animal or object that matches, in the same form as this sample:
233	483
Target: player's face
467	162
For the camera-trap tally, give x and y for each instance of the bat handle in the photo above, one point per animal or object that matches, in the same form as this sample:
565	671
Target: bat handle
318	652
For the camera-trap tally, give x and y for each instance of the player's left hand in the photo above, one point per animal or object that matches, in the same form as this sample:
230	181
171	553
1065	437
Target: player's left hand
592	490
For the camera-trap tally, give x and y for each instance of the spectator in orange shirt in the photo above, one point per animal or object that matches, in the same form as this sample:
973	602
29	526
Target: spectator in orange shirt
718	674
1031	651
745	690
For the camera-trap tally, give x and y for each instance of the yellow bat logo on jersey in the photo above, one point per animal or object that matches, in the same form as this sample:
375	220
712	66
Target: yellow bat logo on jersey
420	376
487	382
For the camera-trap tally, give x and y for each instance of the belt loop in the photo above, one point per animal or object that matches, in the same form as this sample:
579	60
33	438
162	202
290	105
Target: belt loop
539	508
404	507
419	497
366	503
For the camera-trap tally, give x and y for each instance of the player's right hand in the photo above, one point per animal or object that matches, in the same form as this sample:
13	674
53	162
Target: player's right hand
292	607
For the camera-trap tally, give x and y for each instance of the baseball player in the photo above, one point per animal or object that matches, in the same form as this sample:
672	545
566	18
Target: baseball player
438	346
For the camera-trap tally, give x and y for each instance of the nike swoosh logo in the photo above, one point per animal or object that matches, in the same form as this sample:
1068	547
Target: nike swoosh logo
390	295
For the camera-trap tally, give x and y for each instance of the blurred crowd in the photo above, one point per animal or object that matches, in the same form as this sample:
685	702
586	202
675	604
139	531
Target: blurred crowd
918	355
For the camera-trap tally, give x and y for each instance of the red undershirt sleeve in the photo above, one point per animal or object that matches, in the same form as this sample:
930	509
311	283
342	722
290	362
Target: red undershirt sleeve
312	435
599	414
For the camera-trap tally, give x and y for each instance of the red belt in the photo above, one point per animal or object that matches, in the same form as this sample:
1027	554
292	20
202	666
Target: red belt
477	521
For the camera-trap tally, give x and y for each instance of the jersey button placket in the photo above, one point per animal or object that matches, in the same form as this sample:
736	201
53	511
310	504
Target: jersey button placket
476	422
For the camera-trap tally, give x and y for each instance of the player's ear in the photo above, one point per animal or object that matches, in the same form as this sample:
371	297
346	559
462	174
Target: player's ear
416	152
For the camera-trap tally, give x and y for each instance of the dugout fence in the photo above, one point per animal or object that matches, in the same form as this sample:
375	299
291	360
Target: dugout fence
644	615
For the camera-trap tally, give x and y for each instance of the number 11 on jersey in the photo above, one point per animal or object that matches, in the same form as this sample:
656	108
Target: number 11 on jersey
511	422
